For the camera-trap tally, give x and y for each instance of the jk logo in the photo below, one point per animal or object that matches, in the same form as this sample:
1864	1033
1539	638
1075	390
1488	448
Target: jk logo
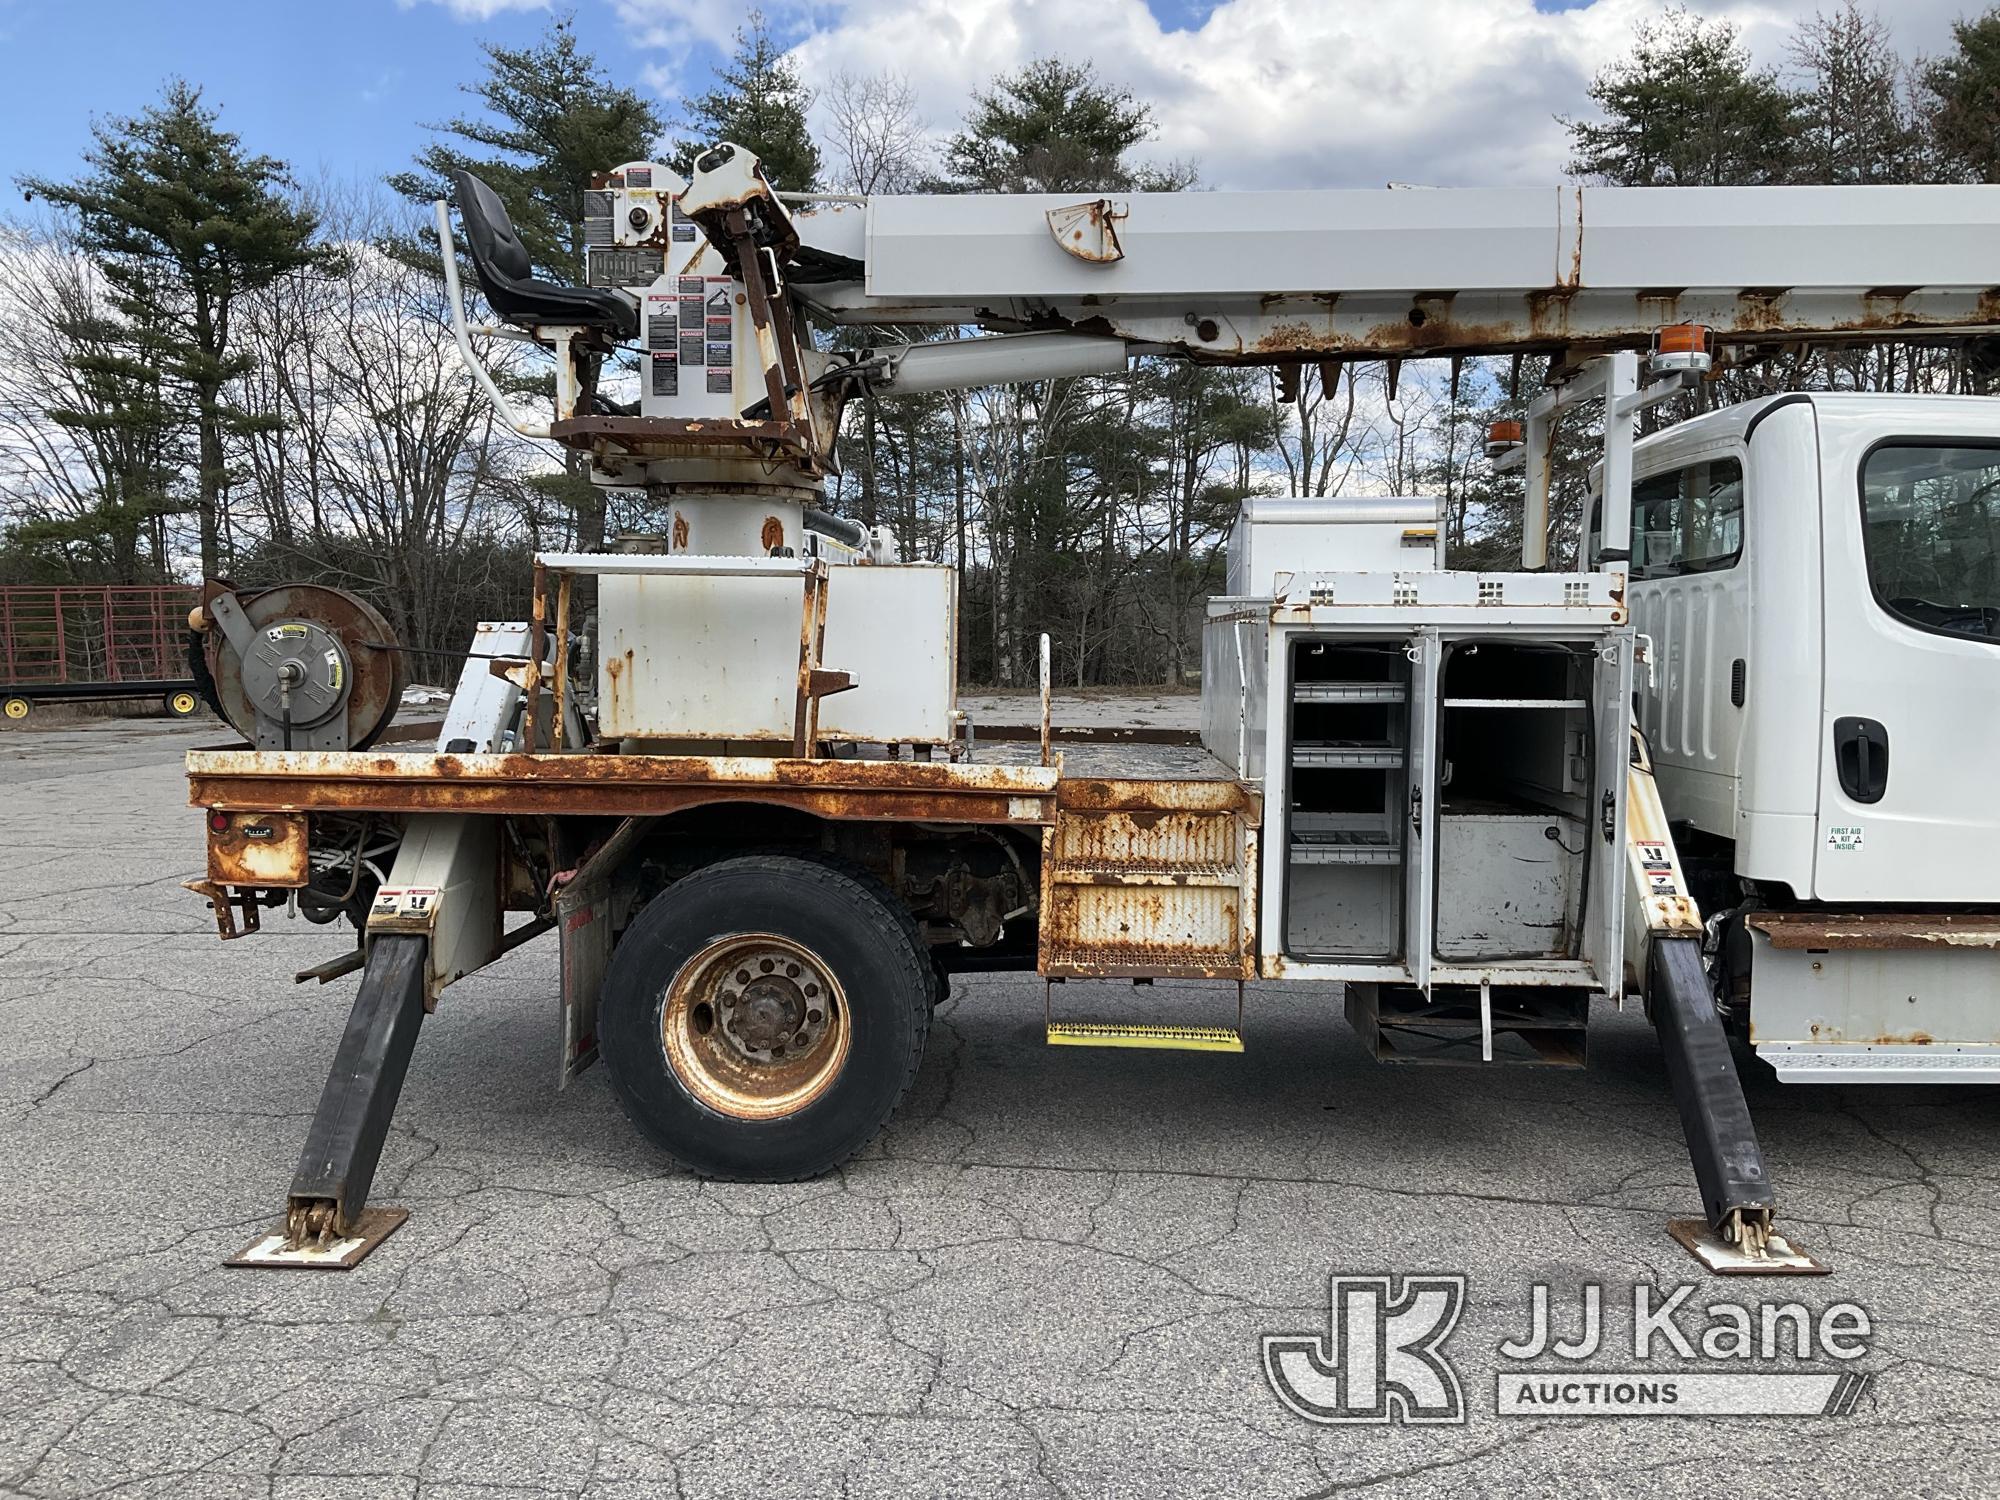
1383	1360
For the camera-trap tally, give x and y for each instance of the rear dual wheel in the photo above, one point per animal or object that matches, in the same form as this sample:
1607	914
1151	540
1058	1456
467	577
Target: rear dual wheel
763	1017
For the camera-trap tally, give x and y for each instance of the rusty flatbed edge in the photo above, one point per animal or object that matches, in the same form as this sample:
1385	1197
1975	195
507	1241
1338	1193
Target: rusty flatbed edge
1156	794
588	785
1878	930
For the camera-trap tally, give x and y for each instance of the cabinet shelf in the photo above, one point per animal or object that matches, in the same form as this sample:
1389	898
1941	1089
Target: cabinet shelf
1516	703
1345	848
1348	692
1335	755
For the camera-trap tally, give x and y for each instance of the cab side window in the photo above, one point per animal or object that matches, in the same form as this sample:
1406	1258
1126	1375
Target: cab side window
1688	520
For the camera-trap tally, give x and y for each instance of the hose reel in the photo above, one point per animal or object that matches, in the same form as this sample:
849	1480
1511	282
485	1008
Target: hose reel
299	666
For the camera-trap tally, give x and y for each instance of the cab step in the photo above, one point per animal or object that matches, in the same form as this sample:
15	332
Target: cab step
1173	1038
1139	1033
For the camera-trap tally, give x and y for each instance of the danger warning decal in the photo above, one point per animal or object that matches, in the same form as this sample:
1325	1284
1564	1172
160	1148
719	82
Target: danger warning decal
719	330
1658	867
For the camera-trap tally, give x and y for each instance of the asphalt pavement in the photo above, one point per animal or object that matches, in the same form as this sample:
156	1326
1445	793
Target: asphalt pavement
1052	1275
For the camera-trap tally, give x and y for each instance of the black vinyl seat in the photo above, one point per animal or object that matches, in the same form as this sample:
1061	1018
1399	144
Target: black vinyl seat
507	276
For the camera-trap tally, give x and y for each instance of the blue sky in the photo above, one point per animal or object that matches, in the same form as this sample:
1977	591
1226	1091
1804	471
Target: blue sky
1258	93
336	85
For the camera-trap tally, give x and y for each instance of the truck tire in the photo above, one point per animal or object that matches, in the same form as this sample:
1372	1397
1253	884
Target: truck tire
181	703
878	888
762	1018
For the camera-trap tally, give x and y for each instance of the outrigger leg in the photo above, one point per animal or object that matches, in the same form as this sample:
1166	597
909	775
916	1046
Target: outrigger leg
435	920
1663	937
327	1223
1735	1236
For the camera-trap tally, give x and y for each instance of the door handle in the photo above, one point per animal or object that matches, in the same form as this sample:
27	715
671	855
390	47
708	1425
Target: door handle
1861	758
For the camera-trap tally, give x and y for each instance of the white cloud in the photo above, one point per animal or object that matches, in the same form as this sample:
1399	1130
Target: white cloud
676	26
476	10
1272	93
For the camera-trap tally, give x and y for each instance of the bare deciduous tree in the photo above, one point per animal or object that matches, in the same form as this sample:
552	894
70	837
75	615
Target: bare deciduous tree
875	140
384	469
1856	118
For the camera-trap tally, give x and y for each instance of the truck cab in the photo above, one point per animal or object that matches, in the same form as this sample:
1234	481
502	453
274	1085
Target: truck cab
1818	577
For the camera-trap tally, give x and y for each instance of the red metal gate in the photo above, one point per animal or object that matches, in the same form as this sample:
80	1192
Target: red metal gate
97	640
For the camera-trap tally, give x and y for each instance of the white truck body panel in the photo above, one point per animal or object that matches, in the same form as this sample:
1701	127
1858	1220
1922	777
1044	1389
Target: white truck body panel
687	656
1275	537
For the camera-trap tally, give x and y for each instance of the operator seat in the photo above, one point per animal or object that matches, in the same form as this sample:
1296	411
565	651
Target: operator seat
508	279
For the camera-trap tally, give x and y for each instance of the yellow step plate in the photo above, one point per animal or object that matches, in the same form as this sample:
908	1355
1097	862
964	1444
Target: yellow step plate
1176	1038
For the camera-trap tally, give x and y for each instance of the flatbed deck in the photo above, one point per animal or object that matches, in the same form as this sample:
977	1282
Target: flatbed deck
1003	781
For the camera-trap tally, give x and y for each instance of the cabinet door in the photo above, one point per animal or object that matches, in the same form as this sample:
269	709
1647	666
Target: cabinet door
1611	739
1420	812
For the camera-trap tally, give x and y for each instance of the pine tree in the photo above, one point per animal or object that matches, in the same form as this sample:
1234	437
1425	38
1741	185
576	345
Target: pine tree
1962	92
182	223
1052	127
1685	109
760	104
124	424
553	121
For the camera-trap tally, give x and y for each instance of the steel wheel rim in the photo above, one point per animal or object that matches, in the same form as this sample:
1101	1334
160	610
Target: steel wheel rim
17	708
755	1026
181	703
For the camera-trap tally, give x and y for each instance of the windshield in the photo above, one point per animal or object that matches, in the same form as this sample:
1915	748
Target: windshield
1930	515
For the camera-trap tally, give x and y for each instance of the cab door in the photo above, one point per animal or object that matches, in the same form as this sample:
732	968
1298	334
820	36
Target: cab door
1910	709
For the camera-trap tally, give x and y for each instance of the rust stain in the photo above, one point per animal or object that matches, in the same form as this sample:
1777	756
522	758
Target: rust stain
1760	310
1104	931
1887	1039
260	849
1548	313
602	785
1169	843
615	668
772	536
1428	334
1576	254
1089	231
1149	878
680	532
1886	307
1096	794
1877	931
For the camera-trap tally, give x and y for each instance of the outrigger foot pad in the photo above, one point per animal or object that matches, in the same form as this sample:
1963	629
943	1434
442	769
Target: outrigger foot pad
277	1251
1776	1256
